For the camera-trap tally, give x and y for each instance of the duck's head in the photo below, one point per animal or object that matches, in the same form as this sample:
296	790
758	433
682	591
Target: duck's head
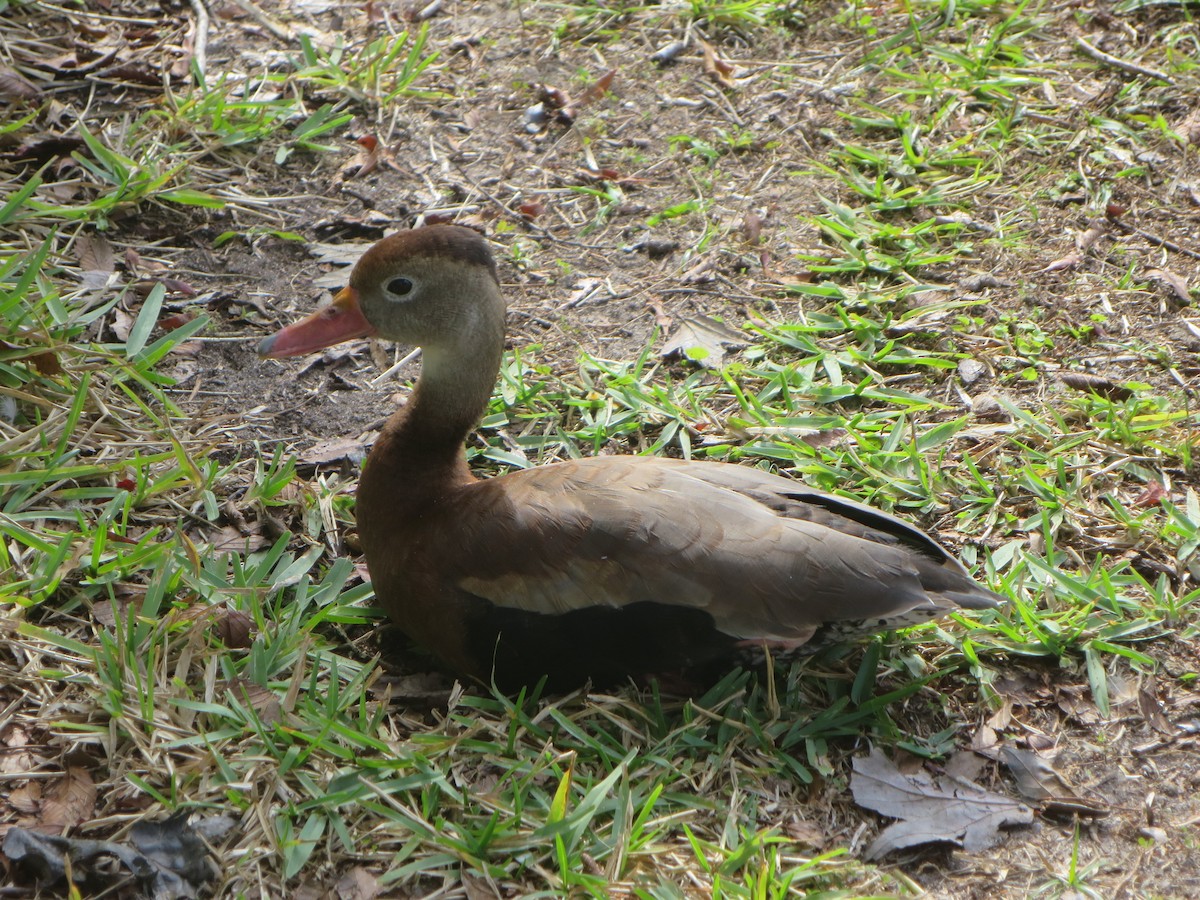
435	287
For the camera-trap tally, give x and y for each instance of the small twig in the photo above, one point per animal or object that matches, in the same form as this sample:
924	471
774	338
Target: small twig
276	28
404	361
1109	60
1155	239
200	44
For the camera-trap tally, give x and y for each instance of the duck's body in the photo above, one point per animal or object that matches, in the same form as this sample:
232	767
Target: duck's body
602	568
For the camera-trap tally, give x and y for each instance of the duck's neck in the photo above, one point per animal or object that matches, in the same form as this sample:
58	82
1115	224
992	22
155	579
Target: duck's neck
422	442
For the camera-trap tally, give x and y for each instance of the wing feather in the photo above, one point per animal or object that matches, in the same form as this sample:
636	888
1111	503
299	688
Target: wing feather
768	558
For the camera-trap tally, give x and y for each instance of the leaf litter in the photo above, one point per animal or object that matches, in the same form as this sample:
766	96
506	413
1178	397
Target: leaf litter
950	811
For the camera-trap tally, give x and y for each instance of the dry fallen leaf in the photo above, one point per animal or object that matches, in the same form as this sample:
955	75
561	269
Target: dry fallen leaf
68	801
262	700
752	226
971	370
716	68
15	759
1176	283
1150	495
960	813
599	88
703	340
1070	261
357	884
333	450
1038	782
1096	384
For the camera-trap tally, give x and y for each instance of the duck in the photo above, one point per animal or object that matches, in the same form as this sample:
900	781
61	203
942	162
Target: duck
599	570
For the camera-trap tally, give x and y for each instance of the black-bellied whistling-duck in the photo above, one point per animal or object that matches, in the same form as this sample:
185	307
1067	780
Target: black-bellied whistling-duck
600	568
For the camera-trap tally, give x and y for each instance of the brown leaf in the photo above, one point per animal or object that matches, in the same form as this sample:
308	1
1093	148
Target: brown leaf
26	799
16	86
1038	782
230	539
960	813
68	801
175	286
235	628
333	450
1150	496
95	255
1070	261
175	320
477	888
597	90
1176	283
752	226
357	884
262	700
703	340
16	759
1096	384
531	210
1152	710
44	361
716	68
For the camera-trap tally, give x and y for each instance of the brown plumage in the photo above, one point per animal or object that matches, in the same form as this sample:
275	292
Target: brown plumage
600	568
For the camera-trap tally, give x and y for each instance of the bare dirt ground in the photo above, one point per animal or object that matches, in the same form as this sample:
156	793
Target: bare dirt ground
568	199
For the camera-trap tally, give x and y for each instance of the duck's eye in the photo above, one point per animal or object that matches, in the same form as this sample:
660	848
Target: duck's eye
399	286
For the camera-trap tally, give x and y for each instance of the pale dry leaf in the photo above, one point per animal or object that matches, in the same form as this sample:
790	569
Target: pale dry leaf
703	340
16	86
1152	709
95	256
16	758
599	88
122	324
716	68
229	539
1189	126
338	254
1036	779
1177	283
26	799
1096	384
357	884
1070	261
334	450
1040	783
971	370
69	800
1096	230
477	888
956	812
965	764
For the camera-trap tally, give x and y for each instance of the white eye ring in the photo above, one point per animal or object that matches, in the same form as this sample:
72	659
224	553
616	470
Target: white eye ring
399	286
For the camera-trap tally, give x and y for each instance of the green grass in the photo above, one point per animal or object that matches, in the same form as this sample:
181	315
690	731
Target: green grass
244	679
